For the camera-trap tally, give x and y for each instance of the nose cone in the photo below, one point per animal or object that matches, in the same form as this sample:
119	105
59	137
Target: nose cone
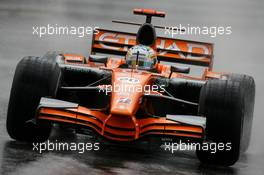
124	105
127	90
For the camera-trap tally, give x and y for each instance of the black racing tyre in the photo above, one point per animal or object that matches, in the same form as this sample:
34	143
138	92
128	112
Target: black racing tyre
222	103
35	77
248	90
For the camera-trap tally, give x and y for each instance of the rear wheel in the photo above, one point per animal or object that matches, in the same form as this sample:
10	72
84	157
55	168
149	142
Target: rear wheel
34	78
222	102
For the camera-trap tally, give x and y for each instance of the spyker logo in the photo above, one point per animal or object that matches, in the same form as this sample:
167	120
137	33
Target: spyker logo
124	100
128	80
167	44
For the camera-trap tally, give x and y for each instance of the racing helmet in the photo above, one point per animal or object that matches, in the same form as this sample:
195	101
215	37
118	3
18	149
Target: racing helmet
142	57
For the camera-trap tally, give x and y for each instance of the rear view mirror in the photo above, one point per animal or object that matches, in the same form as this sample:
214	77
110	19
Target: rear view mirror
98	59
179	69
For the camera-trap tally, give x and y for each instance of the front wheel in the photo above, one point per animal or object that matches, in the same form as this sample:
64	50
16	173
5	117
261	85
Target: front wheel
248	89
34	78
222	102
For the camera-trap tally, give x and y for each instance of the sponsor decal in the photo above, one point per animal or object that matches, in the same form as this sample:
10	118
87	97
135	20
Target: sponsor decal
124	100
179	46
128	80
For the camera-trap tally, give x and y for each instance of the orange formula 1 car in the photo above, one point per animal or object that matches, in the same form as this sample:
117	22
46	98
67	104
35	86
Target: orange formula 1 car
128	93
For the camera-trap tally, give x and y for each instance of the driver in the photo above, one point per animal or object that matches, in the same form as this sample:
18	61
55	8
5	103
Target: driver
141	57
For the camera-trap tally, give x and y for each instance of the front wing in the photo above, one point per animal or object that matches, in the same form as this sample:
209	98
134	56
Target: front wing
119	128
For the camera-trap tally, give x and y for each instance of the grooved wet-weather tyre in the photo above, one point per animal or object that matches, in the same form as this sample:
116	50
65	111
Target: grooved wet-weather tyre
222	102
35	77
248	90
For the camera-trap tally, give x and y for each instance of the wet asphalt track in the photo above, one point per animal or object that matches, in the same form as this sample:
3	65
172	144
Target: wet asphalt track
241	52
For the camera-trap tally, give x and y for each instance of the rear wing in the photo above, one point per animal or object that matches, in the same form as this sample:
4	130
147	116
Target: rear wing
169	49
